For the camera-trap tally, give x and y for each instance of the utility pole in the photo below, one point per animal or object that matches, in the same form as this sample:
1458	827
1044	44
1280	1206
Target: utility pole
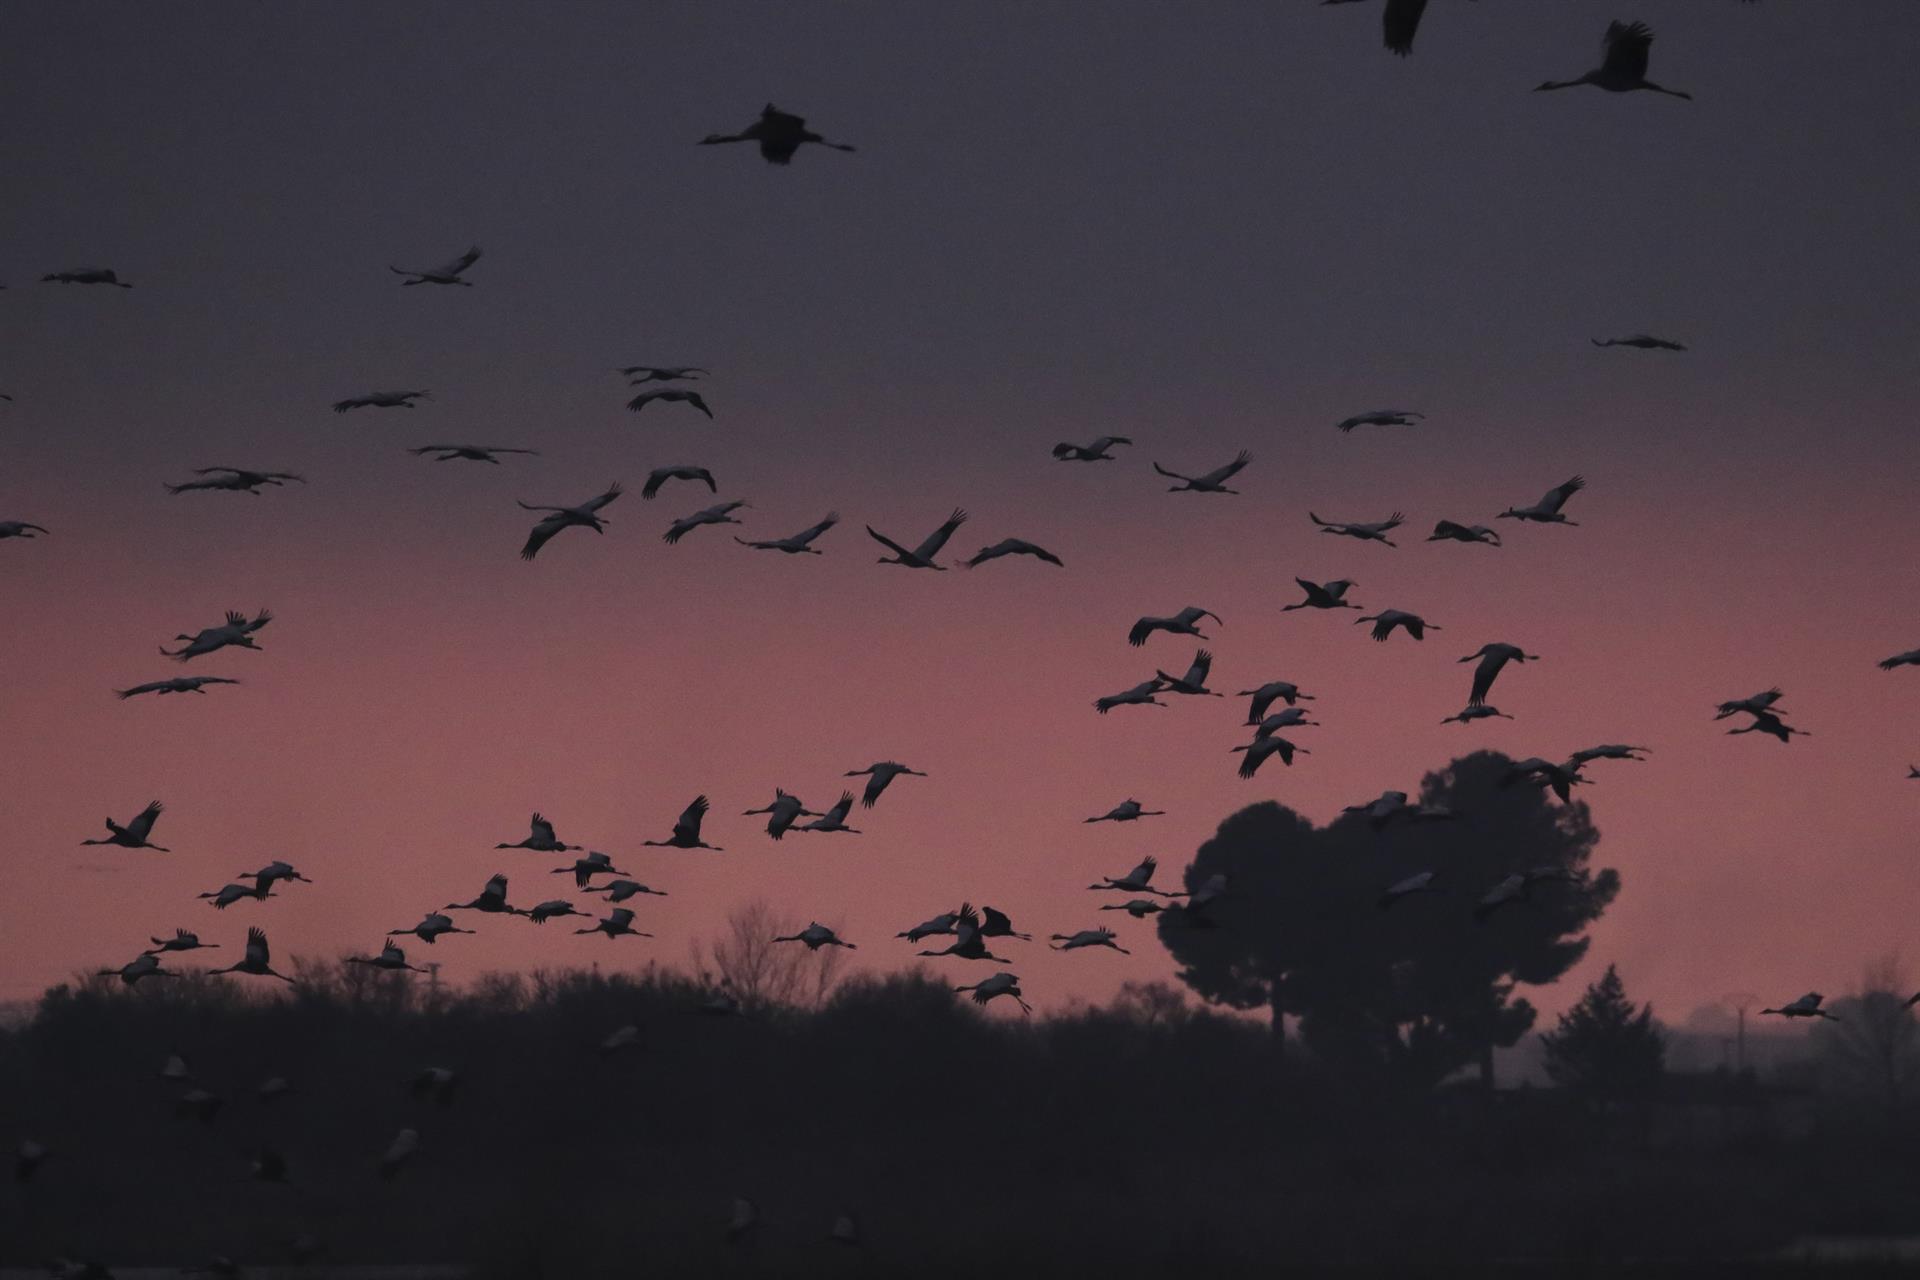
1741	1002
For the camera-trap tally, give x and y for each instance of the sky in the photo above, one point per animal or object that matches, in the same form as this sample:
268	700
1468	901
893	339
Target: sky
1208	227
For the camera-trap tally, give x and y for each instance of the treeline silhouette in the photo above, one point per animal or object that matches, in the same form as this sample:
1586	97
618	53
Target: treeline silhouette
1152	1135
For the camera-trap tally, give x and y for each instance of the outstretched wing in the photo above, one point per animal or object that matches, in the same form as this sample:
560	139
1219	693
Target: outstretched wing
142	825
594	504
459	264
1557	497
257	953
1483	678
1220	475
688	825
808	534
930	548
1400	23
887	542
1627	45
541	535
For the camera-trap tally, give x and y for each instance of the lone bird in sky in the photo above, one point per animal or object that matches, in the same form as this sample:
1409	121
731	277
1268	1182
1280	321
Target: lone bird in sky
779	134
921	557
879	776
1184	623
1624	67
236	632
1380	418
445	273
1493	659
1642	341
1214	481
380	400
468	452
137	833
1547	510
178	684
670	396
797	544
1367	531
583	516
1095	451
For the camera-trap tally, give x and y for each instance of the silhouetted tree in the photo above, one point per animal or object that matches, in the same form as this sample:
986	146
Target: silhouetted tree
1603	1048
1416	991
1872	1055
759	971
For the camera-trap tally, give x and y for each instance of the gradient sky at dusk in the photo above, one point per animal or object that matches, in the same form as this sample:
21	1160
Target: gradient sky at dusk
1209	227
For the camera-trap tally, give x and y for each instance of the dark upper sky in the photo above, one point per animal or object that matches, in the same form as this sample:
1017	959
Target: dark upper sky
1210	227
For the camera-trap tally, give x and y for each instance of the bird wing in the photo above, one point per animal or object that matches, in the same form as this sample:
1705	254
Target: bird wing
594	504
887	542
496	888
1144	628
930	548
654	480
459	264
1172	475
257	953
1220	475
1198	668
1400	22
1627	46
540	535
995	921
808	534
258	621
1556	497
1483	678
142	825
690	818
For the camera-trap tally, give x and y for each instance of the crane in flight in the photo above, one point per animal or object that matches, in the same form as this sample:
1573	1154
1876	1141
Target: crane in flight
178	684
1096	451
816	936
1758	704
1414	885
492	900
446	273
1451	531
235	480
1481	711
1640	341
661	372
583	516
1269	693
673	395
1141	695
1194	682
468	452
1623	68
1184	623
1380	418
1214	481
1011	547
257	961
686	829
138	833
540	838
1138	880
1258	751
24	529
999	984
1773	726
1547	510
796	544
86	275
1493	659
430	928
1324	595
1807	1006
381	400
1385	621
782	813
1365	531
1911	658
389	959
621	890
660	475
236	632
879	776
835	818
969	942
1101	937
719	513
1127	810
182	940
921	557
779	135
585	869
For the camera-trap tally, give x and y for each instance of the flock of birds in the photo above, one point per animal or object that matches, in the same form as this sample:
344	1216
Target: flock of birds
778	136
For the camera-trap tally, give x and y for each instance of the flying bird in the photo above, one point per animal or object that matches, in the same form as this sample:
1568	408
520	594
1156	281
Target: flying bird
944	923
21	529
778	133
1607	751
228	894
1368	531
800	543
1261	748
404	1147
1399	22
1214	481
1493	658
999	984
137	834
1547	510
1324	595
674	395
879	776
540	838
1562	778
621	890
995	924
445	273
236	632
1478	712
1393	806
1141	695
553	908
469	452
86	275
1642	341
381	400
257	960
1624	67
660	475
584	516
492	900
1269	693
236	480
1088	938
1138	908
1127	810
719	513
1773	726
143	966
816	936
1758	704
686	829
178	684
1380	418
1184	623
1385	621
585	869
969	942
182	940
1097	451
1510	890
835	818
1449	531
1011	547
431	928
785	810
1194	682
1138	880
1291	718
1807	1006
273	873
661	372
390	959
921	557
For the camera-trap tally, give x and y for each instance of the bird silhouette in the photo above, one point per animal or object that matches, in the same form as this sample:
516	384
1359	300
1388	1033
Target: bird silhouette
1095	451
660	475
719	513
1641	341
86	275
141	967
1128	810
1493	659
835	818
492	900
800	543
1758	704
1400	890
1479	711
540	838
389	959
1807	1006
1773	726
1141	695
1184	623
178	684
380	400
1011	547
674	395
621	890
1387	619
1547	510
1380	418
468	452
816	936
21	529
236	480
1911	658
1324	595
782	813
1449	531
445	273
182	940
1369	531
1624	67
257	960
686	829
1269	693
1260	749
880	776
921	557
433	925
586	868
1194	682
779	134
999	984
138	832
661	372
584	516
1138	880
236	632
1088	938
1214	481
